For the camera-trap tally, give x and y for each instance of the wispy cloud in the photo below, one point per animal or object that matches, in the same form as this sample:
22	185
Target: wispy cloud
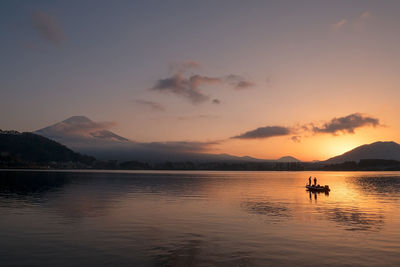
366	14
296	138
180	146
265	132
48	27
356	23
191	86
238	82
346	124
216	101
339	24
196	117
361	21
151	104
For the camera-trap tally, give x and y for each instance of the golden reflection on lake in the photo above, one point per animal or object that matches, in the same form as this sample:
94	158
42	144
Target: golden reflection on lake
198	218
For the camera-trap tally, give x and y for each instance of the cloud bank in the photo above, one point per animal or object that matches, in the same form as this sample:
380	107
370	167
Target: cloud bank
179	146
345	125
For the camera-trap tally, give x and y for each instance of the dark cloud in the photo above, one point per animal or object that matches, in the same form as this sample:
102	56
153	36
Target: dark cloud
190	86
265	132
48	27
216	101
238	82
151	104
346	124
186	87
296	138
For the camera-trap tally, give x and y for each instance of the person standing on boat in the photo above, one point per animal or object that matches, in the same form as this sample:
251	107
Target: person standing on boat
309	181
315	181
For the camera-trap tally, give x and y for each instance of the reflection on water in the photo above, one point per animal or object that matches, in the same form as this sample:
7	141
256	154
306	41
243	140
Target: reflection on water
389	185
187	254
314	195
197	219
275	209
354	219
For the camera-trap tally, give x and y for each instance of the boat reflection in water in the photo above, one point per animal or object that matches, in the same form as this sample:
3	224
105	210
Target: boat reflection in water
314	194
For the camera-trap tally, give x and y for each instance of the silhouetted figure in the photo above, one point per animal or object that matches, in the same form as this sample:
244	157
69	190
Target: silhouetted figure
309	180
315	181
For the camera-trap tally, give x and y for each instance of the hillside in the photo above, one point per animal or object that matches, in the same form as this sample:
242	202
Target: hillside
377	150
28	148
288	159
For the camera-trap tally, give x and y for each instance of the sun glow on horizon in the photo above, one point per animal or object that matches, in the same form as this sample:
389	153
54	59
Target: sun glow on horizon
338	148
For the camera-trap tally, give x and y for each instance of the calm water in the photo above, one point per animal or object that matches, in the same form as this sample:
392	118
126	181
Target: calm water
198	219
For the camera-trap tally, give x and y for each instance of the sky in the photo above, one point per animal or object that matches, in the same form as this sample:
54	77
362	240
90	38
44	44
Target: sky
310	79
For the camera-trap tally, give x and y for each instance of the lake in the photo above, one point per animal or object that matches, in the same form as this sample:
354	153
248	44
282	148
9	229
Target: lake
179	218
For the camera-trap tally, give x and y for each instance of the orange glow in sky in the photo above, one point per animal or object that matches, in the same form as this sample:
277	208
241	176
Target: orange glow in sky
257	69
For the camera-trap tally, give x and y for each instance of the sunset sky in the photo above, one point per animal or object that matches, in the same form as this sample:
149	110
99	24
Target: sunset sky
310	79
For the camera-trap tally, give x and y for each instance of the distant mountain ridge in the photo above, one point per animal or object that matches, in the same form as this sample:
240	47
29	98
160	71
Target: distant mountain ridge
378	150
86	136
288	159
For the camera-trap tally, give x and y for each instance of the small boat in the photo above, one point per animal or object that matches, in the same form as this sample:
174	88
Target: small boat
318	188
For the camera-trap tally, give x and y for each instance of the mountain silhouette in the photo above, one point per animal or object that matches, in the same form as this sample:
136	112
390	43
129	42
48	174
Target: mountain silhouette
288	159
28	148
377	150
93	138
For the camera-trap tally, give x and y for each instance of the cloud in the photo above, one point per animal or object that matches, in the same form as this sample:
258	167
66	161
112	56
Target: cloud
180	146
238	82
339	24
360	22
296	138
151	104
356	23
48	27
346	124
186	87
190	86
216	101
366	14
265	132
